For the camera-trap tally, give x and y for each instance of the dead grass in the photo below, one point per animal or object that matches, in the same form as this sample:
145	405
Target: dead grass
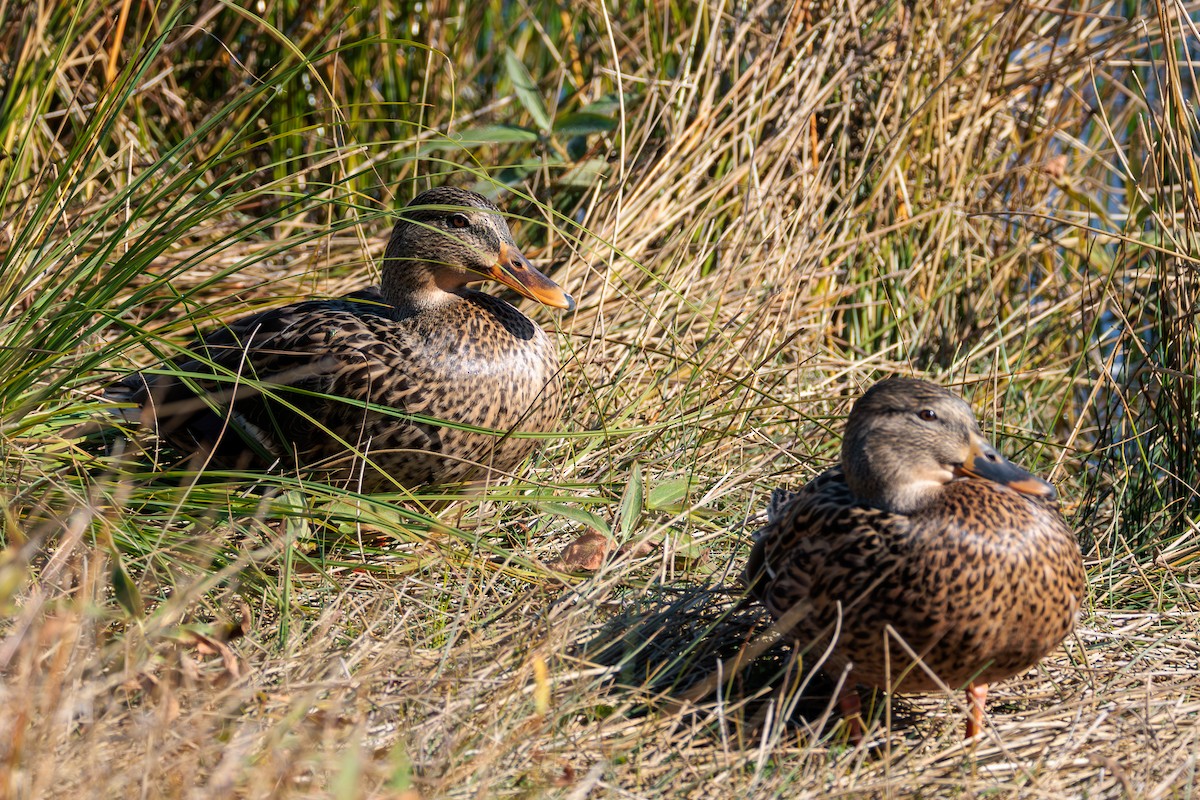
400	684
791	202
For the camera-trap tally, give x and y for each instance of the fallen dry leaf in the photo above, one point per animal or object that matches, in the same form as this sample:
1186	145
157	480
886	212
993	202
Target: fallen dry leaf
639	549
207	645
586	554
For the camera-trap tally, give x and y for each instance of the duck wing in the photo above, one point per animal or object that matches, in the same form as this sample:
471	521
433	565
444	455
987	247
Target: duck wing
819	544
276	384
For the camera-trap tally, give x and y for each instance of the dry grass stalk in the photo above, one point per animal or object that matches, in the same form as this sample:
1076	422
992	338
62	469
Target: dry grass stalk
793	202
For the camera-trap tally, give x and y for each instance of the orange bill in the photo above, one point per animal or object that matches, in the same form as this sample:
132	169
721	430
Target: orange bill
514	271
985	463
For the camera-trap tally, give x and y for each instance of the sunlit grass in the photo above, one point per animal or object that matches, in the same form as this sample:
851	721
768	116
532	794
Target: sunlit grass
760	211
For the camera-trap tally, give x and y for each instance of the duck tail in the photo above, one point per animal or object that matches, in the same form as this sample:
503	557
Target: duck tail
780	499
126	397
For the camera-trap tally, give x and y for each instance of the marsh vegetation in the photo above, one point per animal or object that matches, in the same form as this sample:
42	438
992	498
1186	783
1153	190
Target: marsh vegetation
760	209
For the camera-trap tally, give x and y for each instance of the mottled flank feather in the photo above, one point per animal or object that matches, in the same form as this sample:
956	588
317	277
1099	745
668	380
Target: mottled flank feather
348	389
962	554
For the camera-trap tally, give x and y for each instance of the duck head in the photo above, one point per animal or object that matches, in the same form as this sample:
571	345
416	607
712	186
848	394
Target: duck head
447	238
906	439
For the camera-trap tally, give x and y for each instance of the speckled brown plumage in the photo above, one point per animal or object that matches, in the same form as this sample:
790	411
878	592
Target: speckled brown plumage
927	529
320	384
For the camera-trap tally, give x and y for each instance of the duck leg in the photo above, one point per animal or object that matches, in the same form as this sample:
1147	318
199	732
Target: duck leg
850	704
976	699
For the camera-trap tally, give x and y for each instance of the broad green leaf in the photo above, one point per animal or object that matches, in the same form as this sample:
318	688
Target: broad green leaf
481	135
631	502
585	173
126	591
527	90
688	554
496	134
668	494
582	123
509	176
606	106
294	509
577	515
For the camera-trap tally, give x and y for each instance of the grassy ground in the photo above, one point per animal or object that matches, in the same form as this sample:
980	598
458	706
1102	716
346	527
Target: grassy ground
761	209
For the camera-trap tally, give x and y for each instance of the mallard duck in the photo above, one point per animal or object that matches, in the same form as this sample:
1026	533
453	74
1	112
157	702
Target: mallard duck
927	540
355	389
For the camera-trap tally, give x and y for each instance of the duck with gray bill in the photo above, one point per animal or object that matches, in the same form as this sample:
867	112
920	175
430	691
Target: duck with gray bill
937	561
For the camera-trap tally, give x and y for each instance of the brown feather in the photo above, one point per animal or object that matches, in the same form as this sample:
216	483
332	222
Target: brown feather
980	581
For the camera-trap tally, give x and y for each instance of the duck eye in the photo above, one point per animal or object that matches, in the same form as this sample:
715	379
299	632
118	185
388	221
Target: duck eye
927	414
459	221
